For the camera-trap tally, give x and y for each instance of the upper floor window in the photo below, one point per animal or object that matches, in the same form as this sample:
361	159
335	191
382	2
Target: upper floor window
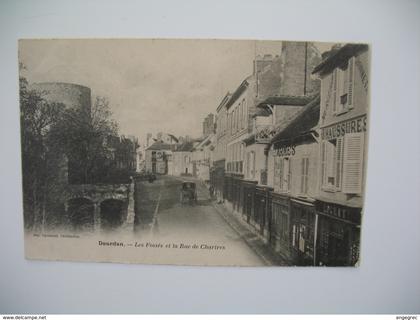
304	176
250	165
282	173
343	87
342	163
237	117
244	114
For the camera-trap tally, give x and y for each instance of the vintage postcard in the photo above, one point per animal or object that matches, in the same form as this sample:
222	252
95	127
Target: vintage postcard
194	152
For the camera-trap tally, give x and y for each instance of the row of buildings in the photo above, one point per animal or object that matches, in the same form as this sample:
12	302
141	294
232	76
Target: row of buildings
181	156
287	152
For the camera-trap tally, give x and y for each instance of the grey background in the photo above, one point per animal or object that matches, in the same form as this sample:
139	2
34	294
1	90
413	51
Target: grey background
388	280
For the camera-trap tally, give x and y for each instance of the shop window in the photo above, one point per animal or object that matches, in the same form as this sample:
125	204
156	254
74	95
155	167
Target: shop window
280	221
302	231
284	226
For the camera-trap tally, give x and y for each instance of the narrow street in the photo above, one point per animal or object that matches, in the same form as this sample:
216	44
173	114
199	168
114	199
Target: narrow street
188	223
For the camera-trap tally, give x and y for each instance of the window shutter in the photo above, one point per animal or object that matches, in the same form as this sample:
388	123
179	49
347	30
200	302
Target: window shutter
281	173
302	180
306	175
253	164
289	175
339	148
353	163
277	173
334	96
329	159
323	164
350	83
247	165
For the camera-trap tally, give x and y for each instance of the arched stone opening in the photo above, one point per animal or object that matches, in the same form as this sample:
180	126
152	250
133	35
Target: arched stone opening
112	213
80	213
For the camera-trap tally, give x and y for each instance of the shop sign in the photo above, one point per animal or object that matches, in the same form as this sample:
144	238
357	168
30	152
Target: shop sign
284	151
345	213
343	128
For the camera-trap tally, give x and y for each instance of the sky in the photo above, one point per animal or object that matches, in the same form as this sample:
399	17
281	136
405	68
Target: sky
153	85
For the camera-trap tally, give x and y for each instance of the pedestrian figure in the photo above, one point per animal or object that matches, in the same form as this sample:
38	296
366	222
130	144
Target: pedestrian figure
211	191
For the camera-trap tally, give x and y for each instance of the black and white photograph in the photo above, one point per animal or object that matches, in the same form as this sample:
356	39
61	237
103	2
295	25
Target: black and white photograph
194	152
210	159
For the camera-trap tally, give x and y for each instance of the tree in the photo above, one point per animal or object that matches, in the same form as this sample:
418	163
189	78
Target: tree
82	135
37	116
60	145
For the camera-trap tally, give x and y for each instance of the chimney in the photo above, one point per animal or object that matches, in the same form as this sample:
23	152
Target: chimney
297	62
149	136
261	62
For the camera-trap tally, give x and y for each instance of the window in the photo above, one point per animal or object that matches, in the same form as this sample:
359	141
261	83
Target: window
287	173
250	167
284	226
343	87
245	116
237	117
281	221
342	163
277	172
234	120
328	155
241	116
353	163
304	176
283	174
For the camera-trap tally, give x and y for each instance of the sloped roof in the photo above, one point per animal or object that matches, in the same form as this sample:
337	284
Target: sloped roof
206	141
173	137
185	147
285	100
339	57
235	95
306	121
224	101
160	146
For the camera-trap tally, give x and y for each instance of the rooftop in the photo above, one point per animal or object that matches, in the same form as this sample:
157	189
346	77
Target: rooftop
185	147
160	146
305	122
339	57
242	87
281	100
286	100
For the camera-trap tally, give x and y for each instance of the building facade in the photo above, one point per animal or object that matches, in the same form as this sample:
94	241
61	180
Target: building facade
217	170
343	148
295	160
159	157
208	125
182	159
263	105
202	158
